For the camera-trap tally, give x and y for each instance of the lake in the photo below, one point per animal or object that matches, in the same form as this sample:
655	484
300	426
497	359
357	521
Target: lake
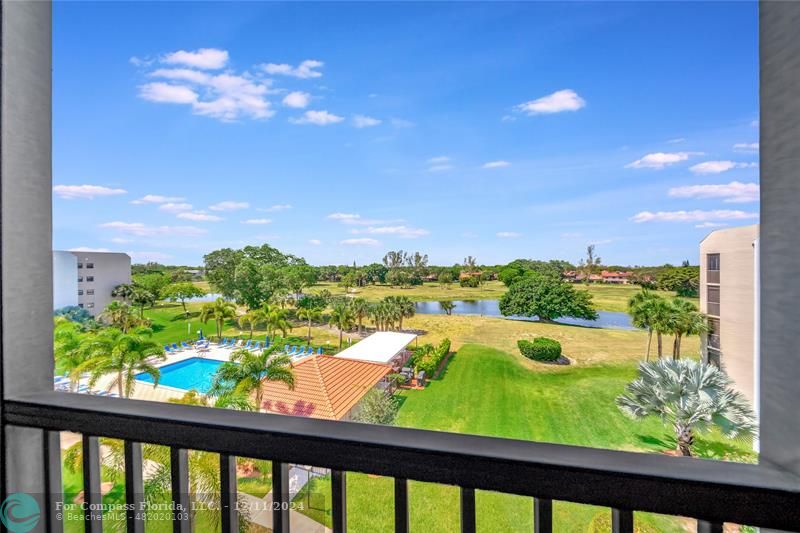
491	308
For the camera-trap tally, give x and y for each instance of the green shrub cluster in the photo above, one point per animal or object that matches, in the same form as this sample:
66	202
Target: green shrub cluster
540	349
428	357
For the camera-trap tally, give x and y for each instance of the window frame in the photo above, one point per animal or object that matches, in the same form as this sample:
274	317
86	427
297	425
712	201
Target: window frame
26	237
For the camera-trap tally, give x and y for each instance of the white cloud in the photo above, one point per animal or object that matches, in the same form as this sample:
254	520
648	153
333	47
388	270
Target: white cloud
659	160
440	168
121	240
344	217
717	167
297	99
305	70
746	147
438	159
363	121
200	216
141	61
360	242
157	199
257	221
496	164
165	93
508	118
710	225
182	74
229	205
318	118
508	234
172	207
140	229
88	249
405	232
563	100
86	192
733	192
692	216
204	58
315	242
274	208
354	219
676	141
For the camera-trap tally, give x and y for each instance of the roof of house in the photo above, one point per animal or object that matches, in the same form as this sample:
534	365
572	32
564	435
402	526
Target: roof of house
380	347
615	274
324	387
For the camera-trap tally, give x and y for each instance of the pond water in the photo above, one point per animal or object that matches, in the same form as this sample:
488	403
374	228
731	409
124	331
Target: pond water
210	297
606	319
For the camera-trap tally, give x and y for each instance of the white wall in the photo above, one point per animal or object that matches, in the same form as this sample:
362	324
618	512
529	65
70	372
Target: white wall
65	279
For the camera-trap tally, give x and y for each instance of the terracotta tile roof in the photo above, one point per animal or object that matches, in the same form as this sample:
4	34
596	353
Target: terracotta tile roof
325	387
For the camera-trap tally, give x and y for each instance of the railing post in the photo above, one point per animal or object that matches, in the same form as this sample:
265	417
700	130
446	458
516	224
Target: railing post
709	527
179	472
53	487
228	493
280	497
542	515
134	488
400	505
92	496
621	521
467	510
339	503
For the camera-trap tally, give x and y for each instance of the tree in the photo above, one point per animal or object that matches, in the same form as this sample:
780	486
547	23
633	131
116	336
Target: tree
141	298
447	306
153	283
546	298
73	313
691	397
402	306
298	277
182	291
377	407
244	373
310	314
361	309
376	273
445	279
348	281
123	290
219	310
124	354
121	316
642	307
277	321
589	265
662	317
229	400
69	347
686	320
251	319
684	281
220	268
341	318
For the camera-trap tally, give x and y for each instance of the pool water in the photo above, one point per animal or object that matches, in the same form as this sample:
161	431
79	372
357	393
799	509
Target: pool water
194	373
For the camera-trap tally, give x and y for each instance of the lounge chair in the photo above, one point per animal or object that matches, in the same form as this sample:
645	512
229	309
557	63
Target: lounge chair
175	348
266	343
286	349
238	343
223	342
309	351
167	348
257	346
319	350
248	344
185	346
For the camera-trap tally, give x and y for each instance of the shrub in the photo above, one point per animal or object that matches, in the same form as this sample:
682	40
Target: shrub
428	357
540	349
470	282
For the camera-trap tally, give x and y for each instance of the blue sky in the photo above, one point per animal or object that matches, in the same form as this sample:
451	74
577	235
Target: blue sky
340	131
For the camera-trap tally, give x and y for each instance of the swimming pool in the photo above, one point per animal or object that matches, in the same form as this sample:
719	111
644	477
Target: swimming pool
193	373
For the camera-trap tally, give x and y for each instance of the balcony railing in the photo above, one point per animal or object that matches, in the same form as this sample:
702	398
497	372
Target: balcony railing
711	491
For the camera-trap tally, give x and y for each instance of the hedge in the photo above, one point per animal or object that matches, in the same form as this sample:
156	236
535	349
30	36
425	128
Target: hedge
540	349
428	357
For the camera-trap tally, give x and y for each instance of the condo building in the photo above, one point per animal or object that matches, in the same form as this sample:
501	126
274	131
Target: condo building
729	291
86	279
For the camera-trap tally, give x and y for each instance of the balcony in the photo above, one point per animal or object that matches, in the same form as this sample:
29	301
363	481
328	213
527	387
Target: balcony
712	276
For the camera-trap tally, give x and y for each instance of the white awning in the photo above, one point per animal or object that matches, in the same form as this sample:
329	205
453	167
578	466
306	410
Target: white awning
380	347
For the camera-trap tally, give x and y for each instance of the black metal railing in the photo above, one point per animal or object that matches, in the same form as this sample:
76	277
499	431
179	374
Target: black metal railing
711	491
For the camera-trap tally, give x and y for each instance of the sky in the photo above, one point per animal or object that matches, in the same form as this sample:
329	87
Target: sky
340	131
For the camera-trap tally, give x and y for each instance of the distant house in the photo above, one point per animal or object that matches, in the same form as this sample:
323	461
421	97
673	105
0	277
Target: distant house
325	387
616	277
574	276
466	275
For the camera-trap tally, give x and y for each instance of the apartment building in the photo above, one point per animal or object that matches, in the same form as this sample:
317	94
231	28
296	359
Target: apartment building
729	291
95	275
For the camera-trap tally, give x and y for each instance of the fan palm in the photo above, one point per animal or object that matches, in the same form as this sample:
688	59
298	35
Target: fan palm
219	310
341	318
69	349
124	354
689	396
361	309
245	372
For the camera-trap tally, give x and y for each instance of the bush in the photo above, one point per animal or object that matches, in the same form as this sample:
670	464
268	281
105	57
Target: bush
470	282
428	357
540	349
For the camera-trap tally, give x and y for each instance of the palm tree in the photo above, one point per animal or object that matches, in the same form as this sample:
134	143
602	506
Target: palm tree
69	349
361	309
642	308
691	397
405	309
251	319
124	291
125	354
141	297
342	318
245	372
220	310
663	315
447	306
686	320
121	316
311	314
231	400
277	320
